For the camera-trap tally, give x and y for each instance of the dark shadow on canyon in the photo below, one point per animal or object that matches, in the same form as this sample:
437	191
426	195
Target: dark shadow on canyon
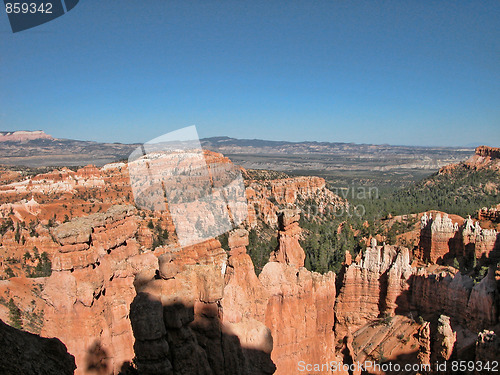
495	254
96	359
176	338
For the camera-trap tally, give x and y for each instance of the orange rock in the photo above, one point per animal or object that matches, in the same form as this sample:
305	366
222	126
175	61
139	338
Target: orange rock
289	250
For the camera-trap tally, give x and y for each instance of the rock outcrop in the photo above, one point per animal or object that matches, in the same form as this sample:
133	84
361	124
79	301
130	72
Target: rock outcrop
442	239
479	242
295	291
178	319
92	286
376	286
488	152
439	238
210	314
471	305
308	192
289	250
444	340
122	290
491	214
484	157
487	347
29	354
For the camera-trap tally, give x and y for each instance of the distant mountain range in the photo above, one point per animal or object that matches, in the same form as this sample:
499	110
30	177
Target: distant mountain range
331	160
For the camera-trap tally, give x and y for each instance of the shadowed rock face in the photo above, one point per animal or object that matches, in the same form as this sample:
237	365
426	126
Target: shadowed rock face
178	317
210	314
92	285
487	346
179	339
29	354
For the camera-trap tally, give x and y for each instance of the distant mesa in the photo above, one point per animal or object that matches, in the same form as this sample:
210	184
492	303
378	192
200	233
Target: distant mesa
23	135
486	151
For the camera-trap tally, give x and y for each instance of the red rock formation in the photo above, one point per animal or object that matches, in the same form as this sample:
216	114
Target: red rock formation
255	314
372	287
482	308
289	250
444	340
91	288
488	152
480	242
244	295
294	291
245	299
308	295
179	320
491	214
442	239
440	292
424	340
311	192
439	238
484	157
470	305
195	310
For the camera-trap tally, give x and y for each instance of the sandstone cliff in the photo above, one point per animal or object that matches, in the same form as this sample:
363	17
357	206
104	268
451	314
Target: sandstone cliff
295	292
92	286
442	239
234	322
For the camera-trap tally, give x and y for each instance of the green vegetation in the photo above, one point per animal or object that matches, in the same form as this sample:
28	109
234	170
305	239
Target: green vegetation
34	319
462	192
9	272
17	234
325	244
43	267
14	315
260	246
6	226
223	239
160	235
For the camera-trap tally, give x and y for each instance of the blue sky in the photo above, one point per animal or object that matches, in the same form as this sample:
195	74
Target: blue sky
397	72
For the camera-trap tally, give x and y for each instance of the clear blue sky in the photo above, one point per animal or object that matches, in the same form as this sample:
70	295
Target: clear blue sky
397	72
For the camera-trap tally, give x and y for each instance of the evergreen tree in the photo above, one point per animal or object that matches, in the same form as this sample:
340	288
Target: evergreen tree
14	315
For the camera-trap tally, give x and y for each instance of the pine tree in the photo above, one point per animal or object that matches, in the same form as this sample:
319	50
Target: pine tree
15	315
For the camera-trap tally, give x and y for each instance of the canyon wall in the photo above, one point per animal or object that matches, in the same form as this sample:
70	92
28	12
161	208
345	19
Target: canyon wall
375	286
441	239
297	292
383	287
88	295
234	322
